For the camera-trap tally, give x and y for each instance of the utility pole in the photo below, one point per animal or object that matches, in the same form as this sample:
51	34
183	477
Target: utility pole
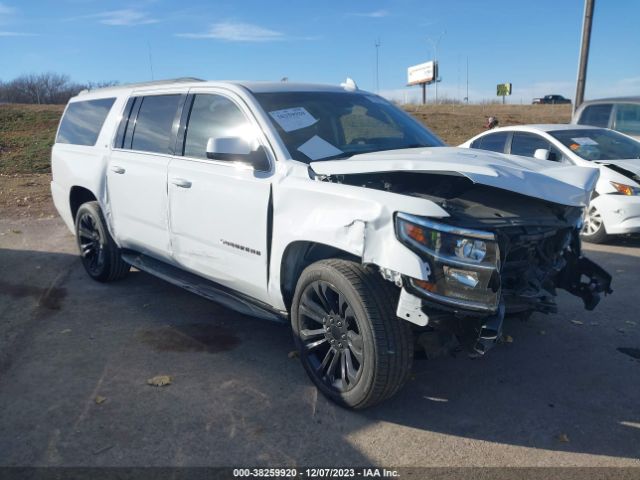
377	44
589	5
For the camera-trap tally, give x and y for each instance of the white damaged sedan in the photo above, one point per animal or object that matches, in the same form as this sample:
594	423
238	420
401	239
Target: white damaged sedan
615	204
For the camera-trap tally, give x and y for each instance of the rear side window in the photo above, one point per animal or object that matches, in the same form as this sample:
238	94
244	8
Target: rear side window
153	126
596	115
526	144
82	121
493	142
628	118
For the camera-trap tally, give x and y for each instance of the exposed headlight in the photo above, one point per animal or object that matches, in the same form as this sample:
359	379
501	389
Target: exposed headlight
464	263
469	249
625	189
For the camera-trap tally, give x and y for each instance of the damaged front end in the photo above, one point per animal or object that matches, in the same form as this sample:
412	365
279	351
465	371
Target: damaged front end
476	277
499	252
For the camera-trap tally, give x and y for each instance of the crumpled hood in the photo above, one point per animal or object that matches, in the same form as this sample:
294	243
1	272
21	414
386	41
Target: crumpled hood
554	182
632	165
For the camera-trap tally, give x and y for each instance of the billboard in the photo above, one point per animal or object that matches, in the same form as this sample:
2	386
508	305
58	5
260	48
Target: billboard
423	73
503	89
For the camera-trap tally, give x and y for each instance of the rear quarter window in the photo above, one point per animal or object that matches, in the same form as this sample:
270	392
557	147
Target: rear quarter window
82	121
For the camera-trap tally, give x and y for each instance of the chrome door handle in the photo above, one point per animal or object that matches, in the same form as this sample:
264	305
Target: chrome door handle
117	169
181	182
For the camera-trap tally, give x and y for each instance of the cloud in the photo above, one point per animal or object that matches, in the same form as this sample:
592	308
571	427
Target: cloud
6	10
127	17
17	34
237	32
374	14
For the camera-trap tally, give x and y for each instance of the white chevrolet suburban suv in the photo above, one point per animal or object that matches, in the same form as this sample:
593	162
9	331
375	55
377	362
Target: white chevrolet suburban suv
327	206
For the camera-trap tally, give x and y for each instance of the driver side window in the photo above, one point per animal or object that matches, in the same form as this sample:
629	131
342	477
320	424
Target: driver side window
213	116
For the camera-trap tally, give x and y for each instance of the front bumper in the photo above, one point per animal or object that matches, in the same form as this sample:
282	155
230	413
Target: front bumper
620	213
478	331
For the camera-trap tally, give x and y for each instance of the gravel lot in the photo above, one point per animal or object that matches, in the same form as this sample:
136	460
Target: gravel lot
560	394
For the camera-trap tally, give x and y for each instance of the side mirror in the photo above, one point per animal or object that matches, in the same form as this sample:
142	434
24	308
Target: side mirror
236	149
542	154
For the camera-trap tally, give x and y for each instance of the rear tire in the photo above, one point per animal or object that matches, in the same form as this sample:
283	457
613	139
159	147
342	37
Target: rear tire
100	255
352	345
594	230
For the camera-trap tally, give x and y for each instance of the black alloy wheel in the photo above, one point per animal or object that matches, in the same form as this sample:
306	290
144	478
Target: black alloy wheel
351	343
91	244
331	336
100	255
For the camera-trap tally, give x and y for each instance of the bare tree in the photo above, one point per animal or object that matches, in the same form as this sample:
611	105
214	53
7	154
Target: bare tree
46	87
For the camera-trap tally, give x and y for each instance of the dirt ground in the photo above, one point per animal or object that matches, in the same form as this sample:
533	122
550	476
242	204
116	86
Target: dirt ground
26	196
458	123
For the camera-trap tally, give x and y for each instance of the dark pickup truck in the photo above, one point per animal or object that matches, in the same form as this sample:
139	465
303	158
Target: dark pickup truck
551	100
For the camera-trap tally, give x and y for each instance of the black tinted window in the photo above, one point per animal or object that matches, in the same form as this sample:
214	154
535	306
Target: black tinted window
213	116
152	132
83	121
494	142
596	115
526	144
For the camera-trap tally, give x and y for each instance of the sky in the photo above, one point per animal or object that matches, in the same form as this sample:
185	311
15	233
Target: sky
532	44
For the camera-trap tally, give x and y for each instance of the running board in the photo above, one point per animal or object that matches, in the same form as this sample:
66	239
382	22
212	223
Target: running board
203	287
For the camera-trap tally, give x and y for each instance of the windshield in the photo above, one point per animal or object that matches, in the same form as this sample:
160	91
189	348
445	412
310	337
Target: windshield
598	144
332	125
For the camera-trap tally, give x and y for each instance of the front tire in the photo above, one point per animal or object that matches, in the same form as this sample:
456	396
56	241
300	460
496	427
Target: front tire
352	345
100	255
593	230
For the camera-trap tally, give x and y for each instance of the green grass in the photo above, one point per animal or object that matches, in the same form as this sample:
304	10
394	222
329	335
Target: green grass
27	133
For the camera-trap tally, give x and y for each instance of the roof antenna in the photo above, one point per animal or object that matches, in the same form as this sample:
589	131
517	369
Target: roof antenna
150	60
349	84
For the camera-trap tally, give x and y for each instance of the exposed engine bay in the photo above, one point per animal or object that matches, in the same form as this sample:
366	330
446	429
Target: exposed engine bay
538	244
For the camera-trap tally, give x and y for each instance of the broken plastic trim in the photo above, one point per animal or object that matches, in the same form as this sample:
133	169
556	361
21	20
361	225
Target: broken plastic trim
597	280
490	332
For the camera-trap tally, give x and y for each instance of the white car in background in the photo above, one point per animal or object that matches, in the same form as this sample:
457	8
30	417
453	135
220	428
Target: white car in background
621	114
615	204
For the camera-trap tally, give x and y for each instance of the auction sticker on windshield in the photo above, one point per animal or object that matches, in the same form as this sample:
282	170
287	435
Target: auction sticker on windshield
316	148
291	119
584	141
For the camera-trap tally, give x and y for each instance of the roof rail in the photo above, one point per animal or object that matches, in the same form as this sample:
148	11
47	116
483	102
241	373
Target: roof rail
144	84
